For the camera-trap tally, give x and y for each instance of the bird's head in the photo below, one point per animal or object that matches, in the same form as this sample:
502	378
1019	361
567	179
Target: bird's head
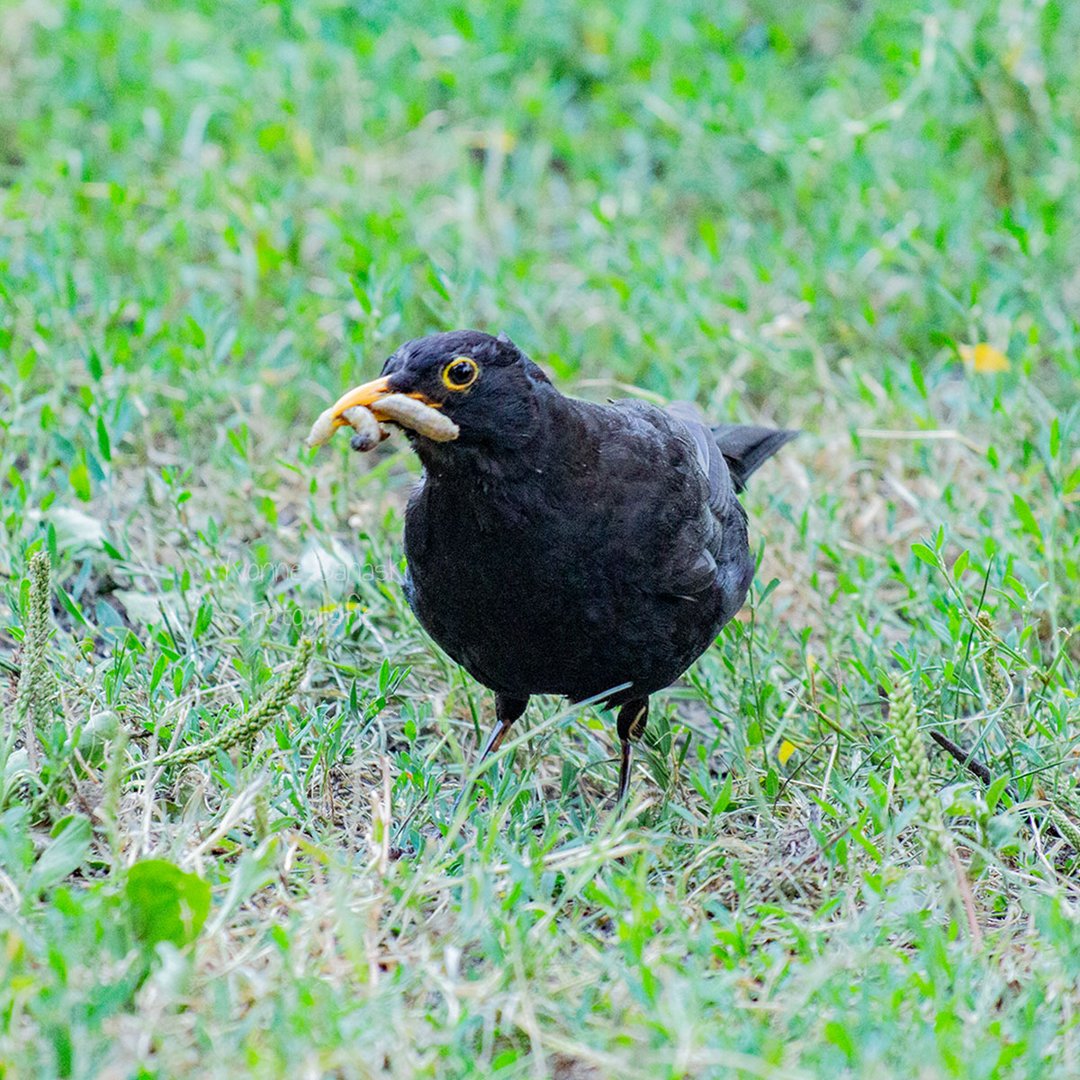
485	385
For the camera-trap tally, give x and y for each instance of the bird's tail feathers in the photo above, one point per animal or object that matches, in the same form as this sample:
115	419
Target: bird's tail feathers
745	448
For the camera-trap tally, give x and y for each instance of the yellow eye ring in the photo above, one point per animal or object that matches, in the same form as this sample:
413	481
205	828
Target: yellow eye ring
460	373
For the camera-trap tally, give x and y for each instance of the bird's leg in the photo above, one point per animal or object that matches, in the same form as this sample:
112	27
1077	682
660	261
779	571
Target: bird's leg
507	710
633	717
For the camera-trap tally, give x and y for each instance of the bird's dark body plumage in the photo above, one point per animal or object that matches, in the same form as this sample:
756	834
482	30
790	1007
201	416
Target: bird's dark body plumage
565	547
593	557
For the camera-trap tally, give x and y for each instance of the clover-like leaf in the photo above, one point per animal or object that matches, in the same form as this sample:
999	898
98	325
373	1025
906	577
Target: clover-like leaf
164	903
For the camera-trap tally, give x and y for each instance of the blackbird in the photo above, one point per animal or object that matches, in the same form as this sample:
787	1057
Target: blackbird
557	546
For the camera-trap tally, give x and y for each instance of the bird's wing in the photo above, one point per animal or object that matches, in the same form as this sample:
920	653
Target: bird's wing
709	455
742	448
727	455
676	495
671	512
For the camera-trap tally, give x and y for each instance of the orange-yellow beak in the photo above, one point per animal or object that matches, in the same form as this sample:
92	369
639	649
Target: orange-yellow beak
368	395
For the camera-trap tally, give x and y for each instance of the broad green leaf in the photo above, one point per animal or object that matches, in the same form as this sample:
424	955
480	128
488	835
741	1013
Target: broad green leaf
1027	518
164	903
960	565
723	800
925	554
104	444
63	854
79	477
203	618
994	792
94	366
918	379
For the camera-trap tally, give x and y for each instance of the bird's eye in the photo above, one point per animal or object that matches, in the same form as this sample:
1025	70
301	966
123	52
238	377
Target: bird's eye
460	373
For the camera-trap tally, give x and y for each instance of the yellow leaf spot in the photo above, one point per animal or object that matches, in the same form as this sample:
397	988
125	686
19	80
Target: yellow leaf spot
503	141
785	751
303	148
595	41
984	358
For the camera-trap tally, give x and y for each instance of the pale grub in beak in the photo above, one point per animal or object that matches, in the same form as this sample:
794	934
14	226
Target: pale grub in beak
364	420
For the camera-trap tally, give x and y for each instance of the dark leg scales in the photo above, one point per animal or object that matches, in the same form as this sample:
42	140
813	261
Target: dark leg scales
507	710
633	717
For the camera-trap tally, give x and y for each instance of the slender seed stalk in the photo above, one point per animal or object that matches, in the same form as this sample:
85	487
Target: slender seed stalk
245	727
37	696
112	790
1065	825
914	766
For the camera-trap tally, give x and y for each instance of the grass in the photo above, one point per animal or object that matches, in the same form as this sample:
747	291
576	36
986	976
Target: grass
216	216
